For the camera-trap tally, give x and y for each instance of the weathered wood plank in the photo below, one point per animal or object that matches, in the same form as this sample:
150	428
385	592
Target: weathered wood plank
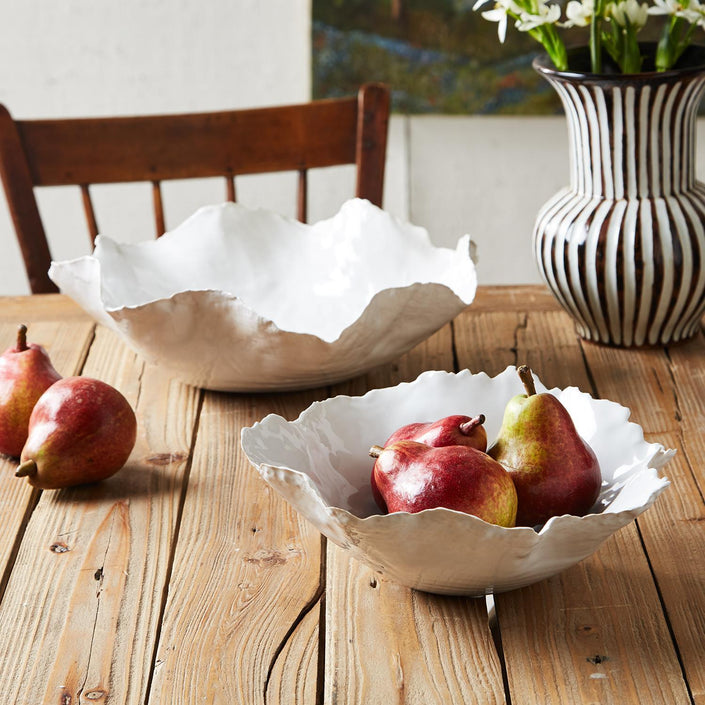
84	599
40	307
386	643
246	569
508	298
590	633
671	408
638	379
294	677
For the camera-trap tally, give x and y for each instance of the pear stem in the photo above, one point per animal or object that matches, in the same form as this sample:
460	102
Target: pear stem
375	451
527	379
21	337
28	467
468	427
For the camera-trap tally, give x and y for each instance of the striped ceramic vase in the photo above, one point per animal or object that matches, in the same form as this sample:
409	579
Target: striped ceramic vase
623	247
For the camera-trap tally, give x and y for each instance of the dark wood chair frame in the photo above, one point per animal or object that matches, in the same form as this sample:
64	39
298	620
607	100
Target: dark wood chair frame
84	151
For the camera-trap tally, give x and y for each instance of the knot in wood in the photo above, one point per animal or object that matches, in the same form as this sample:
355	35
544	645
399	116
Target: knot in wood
597	659
167	458
59	547
96	694
268	558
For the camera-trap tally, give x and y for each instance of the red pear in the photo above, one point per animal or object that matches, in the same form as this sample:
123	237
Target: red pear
449	431
81	430
456	430
412	476
25	373
555	471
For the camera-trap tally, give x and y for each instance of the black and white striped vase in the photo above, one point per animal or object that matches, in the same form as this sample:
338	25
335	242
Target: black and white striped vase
623	247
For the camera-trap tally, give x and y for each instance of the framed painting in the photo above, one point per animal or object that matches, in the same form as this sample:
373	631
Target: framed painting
438	56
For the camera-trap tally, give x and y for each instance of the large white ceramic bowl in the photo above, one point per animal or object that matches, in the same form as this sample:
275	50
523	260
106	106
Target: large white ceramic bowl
238	299
320	464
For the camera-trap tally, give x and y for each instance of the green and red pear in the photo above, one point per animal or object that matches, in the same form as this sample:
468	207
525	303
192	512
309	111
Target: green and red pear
26	372
554	470
81	430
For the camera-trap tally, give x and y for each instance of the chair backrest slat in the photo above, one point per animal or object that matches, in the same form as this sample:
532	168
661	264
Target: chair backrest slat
17	180
230	189
302	203
111	150
371	143
159	223
90	213
156	148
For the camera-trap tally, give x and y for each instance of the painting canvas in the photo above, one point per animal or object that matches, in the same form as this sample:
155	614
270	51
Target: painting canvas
438	56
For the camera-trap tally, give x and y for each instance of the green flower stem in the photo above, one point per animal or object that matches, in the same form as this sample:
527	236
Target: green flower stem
684	43
596	37
675	39
631	54
553	44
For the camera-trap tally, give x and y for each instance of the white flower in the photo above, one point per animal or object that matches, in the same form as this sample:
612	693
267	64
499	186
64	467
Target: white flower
692	12
547	14
579	14
628	12
499	14
665	7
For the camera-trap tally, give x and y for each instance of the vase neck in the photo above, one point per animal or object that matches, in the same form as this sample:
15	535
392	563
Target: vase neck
631	141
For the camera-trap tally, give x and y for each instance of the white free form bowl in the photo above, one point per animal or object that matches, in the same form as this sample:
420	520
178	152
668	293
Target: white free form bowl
237	299
320	464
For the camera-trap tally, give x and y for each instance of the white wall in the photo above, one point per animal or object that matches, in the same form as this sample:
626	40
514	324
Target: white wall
482	175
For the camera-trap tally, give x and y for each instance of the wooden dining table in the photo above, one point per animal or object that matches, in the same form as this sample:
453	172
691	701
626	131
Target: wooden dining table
185	578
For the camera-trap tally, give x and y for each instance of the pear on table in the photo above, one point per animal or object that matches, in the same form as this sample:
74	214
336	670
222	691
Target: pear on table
554	470
412	476
81	430
26	372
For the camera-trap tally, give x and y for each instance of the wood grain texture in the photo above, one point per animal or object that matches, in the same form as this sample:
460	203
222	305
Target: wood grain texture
591	634
67	346
638	379
413	659
246	569
588	634
504	298
83	602
40	307
294	675
671	407
388	644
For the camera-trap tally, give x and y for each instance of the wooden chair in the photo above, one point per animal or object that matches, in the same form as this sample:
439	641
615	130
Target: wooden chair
155	148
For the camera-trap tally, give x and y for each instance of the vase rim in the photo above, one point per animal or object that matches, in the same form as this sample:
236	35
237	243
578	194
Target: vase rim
544	65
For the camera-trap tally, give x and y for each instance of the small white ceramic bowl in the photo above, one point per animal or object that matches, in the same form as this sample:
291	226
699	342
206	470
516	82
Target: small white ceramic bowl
237	299
320	464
